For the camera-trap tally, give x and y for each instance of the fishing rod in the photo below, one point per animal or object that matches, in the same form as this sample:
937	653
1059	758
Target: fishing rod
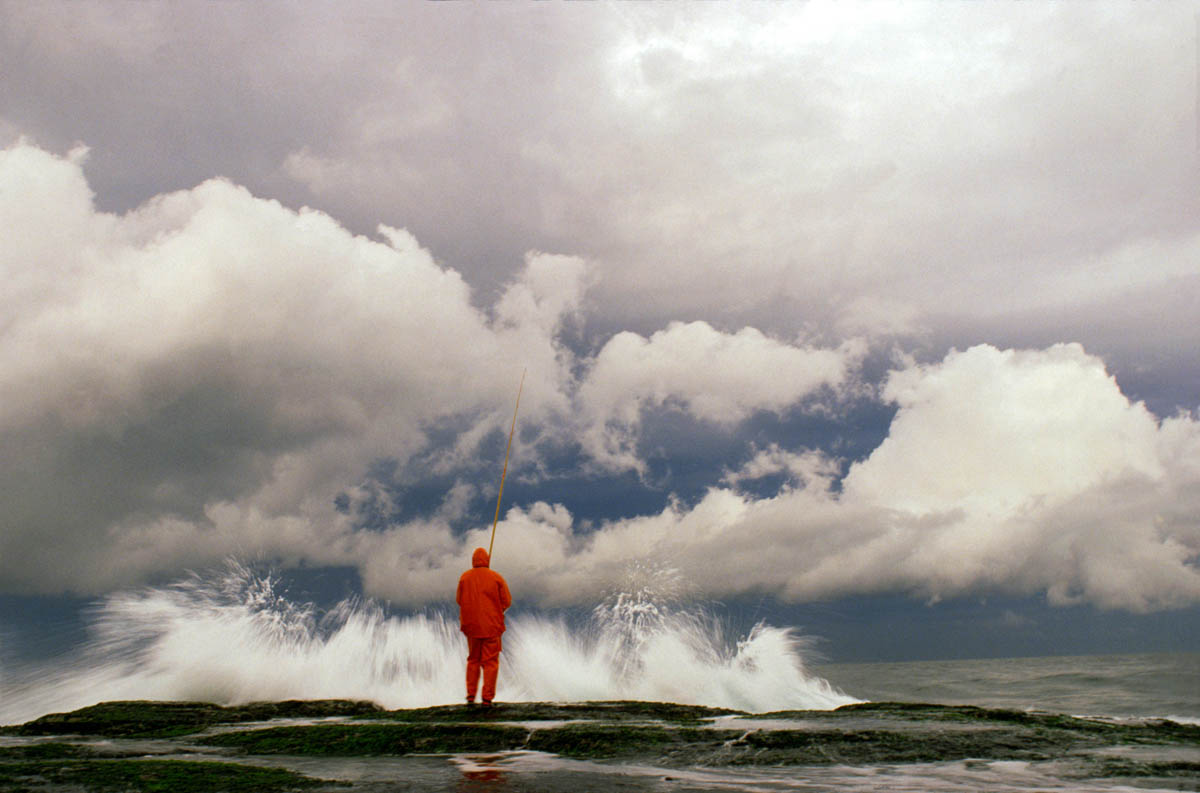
504	472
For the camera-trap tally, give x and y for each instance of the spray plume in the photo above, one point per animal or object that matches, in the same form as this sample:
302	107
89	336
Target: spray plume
234	638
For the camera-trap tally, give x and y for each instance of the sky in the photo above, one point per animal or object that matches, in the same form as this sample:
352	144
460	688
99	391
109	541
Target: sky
878	320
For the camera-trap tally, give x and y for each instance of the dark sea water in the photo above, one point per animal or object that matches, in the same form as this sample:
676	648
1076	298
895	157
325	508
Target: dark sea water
234	640
1135	685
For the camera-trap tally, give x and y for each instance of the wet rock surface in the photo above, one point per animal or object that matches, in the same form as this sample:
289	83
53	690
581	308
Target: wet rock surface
200	746
102	773
142	719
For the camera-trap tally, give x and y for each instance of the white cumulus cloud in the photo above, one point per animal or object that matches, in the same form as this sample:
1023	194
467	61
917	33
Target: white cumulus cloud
204	374
717	377
1004	471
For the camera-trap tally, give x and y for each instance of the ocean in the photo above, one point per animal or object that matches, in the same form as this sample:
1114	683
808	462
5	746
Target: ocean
1137	685
234	639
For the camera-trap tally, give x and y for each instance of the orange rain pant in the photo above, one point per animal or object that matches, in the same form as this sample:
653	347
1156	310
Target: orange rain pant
483	653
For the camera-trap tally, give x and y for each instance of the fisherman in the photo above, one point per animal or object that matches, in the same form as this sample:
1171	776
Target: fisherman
482	599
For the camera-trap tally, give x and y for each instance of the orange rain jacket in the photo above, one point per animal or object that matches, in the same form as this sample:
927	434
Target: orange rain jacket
482	598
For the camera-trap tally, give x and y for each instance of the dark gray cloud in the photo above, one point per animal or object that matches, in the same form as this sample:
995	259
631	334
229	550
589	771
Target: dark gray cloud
415	117
973	159
754	205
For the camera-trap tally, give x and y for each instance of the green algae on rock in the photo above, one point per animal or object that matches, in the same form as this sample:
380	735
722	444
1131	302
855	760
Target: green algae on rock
615	711
142	719
1124	767
608	741
659	735
150	776
371	739
49	751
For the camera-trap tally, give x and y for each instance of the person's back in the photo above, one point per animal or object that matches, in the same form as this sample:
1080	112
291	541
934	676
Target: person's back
482	598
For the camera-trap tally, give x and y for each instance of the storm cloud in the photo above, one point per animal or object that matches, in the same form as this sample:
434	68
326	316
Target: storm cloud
1018	472
196	375
254	255
203	375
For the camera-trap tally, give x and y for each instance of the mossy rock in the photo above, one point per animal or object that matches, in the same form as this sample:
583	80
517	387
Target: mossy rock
140	719
619	711
350	740
1125	767
1152	731
48	751
664	733
859	747
150	776
609	741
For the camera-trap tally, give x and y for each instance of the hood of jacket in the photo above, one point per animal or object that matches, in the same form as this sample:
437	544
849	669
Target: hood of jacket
480	558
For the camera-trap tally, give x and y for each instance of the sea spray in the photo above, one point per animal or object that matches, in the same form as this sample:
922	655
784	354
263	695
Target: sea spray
234	638
645	642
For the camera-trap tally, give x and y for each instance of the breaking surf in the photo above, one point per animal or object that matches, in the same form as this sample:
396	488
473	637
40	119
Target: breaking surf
235	638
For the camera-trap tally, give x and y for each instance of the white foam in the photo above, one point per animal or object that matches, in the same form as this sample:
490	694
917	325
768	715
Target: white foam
234	639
